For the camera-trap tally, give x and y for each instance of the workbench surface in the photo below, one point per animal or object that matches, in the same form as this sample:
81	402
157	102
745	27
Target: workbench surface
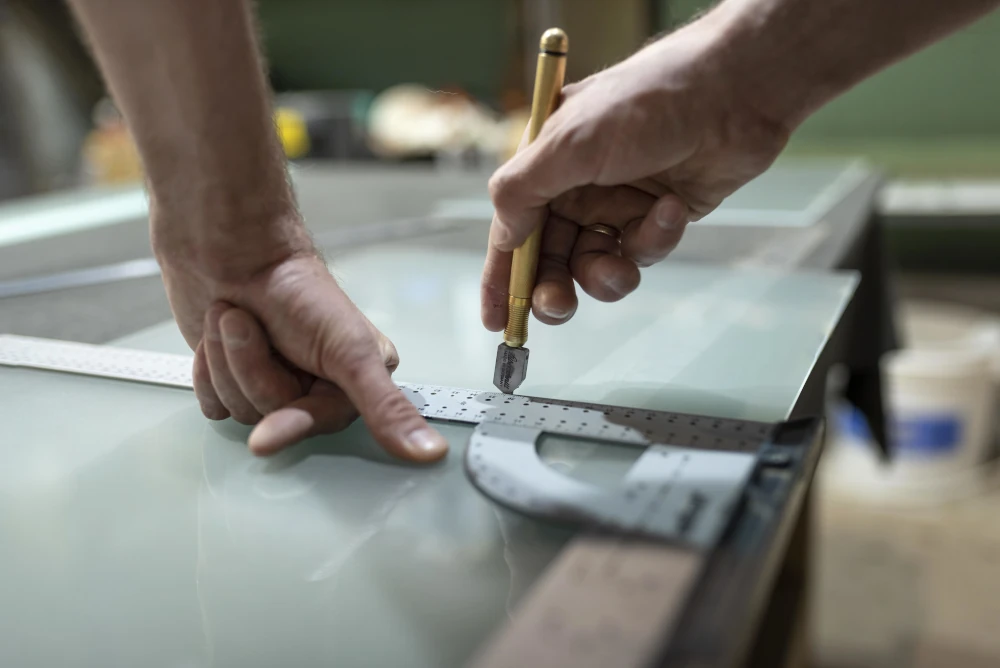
138	533
135	530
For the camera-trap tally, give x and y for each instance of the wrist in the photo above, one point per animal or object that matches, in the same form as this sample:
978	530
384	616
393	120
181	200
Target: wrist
228	237
769	67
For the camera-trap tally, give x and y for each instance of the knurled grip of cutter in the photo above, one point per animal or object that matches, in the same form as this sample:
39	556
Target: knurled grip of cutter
515	334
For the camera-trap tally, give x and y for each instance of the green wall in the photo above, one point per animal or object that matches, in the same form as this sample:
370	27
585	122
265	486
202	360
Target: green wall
938	111
951	89
372	44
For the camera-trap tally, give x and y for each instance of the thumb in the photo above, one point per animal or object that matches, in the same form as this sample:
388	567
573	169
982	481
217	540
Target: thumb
388	414
522	188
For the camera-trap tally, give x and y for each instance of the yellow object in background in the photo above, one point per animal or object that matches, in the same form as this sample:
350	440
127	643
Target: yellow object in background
516	125
109	155
292	131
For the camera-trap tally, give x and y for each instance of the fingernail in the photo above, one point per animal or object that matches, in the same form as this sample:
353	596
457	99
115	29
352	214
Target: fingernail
620	285
670	214
235	334
555	312
425	443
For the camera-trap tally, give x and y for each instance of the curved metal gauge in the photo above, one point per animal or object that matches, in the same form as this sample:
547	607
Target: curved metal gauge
678	494
684	487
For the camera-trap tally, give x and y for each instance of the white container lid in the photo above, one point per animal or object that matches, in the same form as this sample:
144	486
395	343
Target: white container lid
930	326
970	362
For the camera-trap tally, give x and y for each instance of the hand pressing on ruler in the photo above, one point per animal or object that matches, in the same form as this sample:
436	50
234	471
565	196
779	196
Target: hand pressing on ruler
296	358
277	341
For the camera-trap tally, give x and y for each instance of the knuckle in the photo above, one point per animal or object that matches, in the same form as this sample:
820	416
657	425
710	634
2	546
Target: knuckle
497	182
553	267
584	139
245	416
347	359
502	188
211	409
393	408
389	355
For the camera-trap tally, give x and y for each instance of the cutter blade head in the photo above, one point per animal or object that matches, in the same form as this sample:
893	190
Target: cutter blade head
511	368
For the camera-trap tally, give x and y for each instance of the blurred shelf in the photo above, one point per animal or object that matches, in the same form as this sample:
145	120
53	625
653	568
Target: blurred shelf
936	158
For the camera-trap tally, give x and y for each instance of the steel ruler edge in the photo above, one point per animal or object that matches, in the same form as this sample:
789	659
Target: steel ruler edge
586	580
617	424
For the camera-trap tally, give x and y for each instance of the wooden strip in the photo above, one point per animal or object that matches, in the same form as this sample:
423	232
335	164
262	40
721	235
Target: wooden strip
604	602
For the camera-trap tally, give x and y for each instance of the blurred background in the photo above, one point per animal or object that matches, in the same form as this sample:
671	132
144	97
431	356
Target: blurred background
455	91
907	562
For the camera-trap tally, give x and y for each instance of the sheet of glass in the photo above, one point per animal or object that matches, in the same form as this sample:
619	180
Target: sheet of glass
692	338
135	532
793	193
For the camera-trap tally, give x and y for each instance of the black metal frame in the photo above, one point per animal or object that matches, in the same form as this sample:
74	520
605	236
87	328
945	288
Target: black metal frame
732	603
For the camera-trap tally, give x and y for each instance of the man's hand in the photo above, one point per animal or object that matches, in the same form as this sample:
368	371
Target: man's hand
663	137
645	146
276	340
278	344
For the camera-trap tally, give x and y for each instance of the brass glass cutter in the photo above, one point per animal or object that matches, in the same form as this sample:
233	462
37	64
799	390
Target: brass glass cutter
512	357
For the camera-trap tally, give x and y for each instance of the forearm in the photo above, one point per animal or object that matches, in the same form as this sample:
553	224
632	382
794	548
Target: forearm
188	78
792	56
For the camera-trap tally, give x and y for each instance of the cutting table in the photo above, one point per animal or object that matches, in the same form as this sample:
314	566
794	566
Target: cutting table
137	533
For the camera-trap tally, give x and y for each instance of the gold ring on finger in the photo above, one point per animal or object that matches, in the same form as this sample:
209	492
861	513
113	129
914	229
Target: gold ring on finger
606	230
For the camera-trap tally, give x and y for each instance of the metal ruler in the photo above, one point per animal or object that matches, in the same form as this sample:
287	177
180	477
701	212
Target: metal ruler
658	524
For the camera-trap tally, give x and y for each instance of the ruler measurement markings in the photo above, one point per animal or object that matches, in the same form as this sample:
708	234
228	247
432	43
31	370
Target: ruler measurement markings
558	417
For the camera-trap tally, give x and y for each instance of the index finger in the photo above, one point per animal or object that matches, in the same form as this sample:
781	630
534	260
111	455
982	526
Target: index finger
522	188
494	288
388	414
393	420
